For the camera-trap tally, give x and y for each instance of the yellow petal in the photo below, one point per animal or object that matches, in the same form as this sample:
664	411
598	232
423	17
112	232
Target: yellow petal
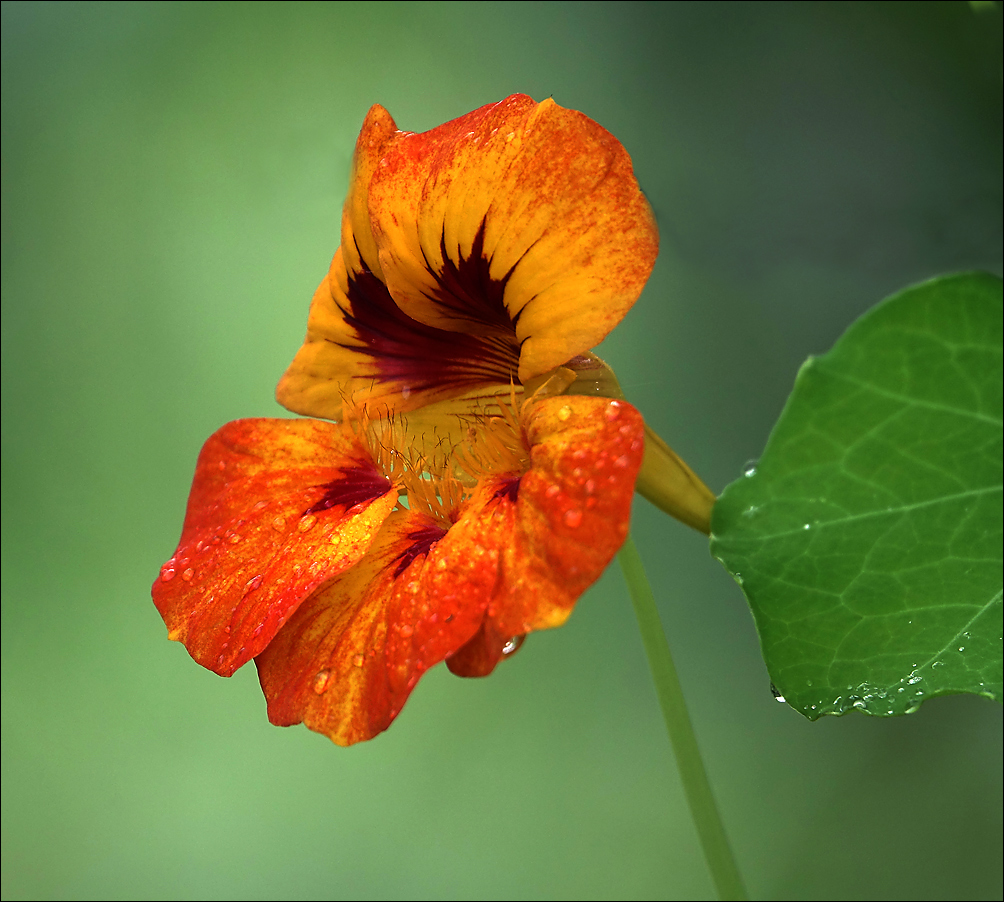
532	202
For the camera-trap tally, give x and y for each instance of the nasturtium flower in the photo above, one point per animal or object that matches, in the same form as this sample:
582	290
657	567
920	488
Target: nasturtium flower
471	465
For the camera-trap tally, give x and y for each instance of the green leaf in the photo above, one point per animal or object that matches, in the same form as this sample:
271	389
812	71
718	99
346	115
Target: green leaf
867	539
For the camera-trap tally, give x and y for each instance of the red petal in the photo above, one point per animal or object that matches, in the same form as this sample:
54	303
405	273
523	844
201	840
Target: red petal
277	508
558	527
347	661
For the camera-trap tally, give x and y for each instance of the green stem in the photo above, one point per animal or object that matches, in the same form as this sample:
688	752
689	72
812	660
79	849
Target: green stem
710	829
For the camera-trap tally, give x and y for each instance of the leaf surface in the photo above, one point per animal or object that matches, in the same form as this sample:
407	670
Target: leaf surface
867	539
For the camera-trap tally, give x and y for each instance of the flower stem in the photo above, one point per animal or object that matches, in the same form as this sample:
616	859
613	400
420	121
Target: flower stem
710	829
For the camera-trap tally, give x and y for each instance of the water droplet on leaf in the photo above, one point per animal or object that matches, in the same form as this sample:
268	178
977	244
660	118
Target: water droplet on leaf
749	468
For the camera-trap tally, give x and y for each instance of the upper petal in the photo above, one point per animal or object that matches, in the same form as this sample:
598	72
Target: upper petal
361	346
484	252
518	215
277	507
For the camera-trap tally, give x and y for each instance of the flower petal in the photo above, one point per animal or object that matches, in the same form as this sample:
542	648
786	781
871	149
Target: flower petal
361	345
558	525
518	216
347	661
277	508
484	252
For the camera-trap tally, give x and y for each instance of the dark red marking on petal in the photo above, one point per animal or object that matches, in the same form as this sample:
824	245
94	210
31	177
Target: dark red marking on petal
425	357
467	289
422	541
355	485
508	488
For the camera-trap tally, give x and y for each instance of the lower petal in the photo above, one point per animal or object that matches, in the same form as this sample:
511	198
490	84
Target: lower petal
347	661
277	507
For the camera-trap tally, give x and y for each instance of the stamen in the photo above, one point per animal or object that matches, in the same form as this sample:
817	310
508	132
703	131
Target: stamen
497	443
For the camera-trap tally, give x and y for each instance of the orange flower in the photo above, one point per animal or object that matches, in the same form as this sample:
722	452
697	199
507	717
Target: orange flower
469	488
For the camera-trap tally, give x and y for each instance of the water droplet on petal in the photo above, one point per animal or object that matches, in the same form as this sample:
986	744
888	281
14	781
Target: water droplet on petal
187	574
512	645
253	583
167	574
407	630
573	517
613	410
222	466
278	523
321	681
234	538
552	490
358	660
564	413
259	505
306	523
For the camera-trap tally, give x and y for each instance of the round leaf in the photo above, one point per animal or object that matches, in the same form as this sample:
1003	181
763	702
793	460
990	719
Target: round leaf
867	539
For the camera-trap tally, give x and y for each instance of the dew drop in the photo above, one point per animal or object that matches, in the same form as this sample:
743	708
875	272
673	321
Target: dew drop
260	505
306	523
512	645
573	517
962	648
613	411
622	461
749	469
552	490
777	695
187	574
167	574
321	681
253	583
806	526
222	466
738	577
407	630
358	660
278	523
442	563
233	538
564	413
590	486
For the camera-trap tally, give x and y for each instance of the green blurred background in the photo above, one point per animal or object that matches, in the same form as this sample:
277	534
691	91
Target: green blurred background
172	179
